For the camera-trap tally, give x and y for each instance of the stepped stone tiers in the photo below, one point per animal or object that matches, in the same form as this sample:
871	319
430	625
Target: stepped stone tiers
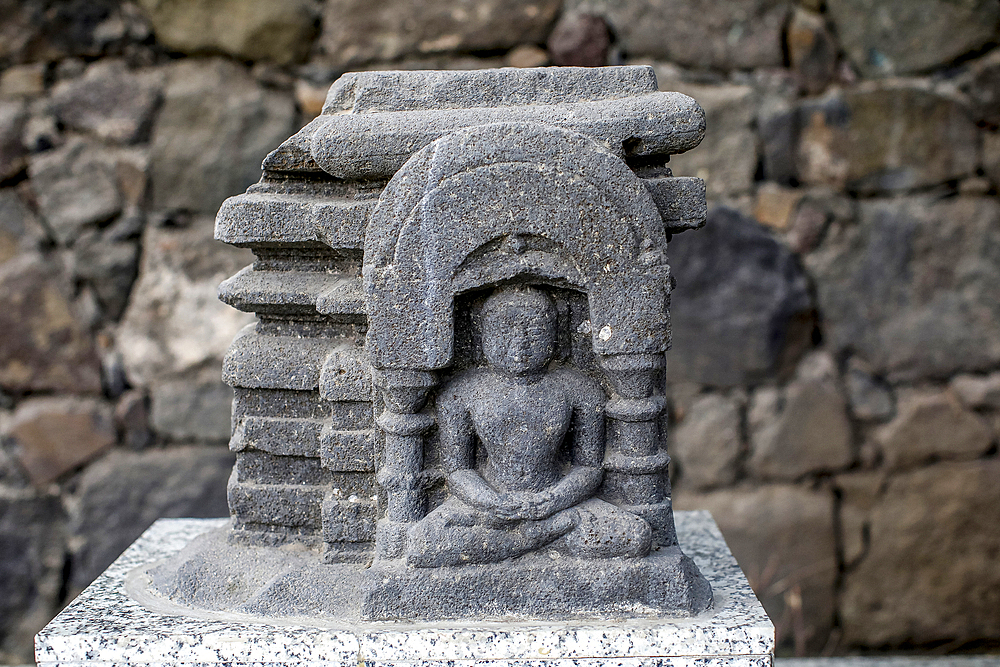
404	240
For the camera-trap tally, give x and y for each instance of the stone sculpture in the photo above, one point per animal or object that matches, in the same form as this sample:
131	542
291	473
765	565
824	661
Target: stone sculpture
457	373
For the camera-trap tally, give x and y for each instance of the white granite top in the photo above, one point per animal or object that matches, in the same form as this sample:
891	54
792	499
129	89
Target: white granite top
104	626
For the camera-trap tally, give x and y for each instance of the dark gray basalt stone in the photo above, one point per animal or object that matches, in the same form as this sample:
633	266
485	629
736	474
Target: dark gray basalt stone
457	376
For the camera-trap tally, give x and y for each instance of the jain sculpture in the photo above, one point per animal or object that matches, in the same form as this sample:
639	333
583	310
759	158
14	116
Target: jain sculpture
452	400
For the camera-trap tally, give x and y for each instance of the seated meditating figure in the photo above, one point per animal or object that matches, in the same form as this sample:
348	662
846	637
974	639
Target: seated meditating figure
521	414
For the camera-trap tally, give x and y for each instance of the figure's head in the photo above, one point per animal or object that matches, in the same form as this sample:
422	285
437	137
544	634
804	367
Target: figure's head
519	330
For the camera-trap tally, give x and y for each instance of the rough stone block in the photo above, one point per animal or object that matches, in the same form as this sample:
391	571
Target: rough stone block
109	101
704	35
49	348
33	534
190	411
346	451
931	425
174	325
892	286
215	126
881	137
280	403
707	445
909	35
55	435
355	32
348	519
940	519
802	428
13	116
733	266
681	201
75	186
260	361
255	467
276	504
255	30
285	436
977	391
344	376
293	218
20	229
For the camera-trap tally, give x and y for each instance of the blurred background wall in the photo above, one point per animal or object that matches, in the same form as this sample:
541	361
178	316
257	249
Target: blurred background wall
835	379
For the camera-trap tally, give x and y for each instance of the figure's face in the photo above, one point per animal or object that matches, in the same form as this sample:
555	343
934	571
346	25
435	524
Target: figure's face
519	342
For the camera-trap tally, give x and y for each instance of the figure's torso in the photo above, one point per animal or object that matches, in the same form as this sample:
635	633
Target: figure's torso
522	428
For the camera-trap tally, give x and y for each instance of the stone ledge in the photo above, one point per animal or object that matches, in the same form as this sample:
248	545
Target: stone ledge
105	626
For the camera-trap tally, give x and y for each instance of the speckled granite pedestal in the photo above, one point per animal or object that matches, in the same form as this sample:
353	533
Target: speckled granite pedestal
104	626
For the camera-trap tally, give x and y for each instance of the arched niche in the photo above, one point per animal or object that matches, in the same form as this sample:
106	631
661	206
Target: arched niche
488	203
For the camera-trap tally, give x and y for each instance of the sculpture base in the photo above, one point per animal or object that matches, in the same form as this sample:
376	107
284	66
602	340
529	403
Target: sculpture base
108	624
539	585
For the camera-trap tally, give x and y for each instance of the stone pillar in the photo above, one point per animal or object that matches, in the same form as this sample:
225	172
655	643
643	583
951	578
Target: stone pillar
635	463
400	469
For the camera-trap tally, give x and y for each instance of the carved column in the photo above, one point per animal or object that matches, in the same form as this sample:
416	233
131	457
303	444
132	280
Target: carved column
399	473
635	463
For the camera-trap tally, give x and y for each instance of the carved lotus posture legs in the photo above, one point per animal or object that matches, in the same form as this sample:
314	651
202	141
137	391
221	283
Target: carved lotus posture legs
456	534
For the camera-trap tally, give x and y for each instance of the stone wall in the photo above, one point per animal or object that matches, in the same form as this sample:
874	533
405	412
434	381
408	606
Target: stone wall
835	379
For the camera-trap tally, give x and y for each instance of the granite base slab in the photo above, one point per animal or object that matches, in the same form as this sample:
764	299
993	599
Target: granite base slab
105	626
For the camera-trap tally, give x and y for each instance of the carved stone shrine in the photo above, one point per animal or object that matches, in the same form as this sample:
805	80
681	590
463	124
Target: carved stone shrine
454	389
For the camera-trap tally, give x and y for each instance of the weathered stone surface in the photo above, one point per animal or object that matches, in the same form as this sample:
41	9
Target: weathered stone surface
579	40
132	419
704	34
983	90
174	324
811	50
783	538
13	116
23	80
75	186
912	35
40	30
885	137
911	287
32	544
55	435
354	31
706	445
802	428
727	157
931	426
734	266
215	126
991	157
775	205
20	230
186	411
109	101
254	30
527	55
109	267
977	391
46	344
122	494
930	573
870	398
860	492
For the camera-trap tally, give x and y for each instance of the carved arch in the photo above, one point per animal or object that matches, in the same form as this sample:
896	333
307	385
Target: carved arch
496	184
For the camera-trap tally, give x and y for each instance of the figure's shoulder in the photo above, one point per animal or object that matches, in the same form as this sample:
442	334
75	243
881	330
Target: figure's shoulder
459	387
582	388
